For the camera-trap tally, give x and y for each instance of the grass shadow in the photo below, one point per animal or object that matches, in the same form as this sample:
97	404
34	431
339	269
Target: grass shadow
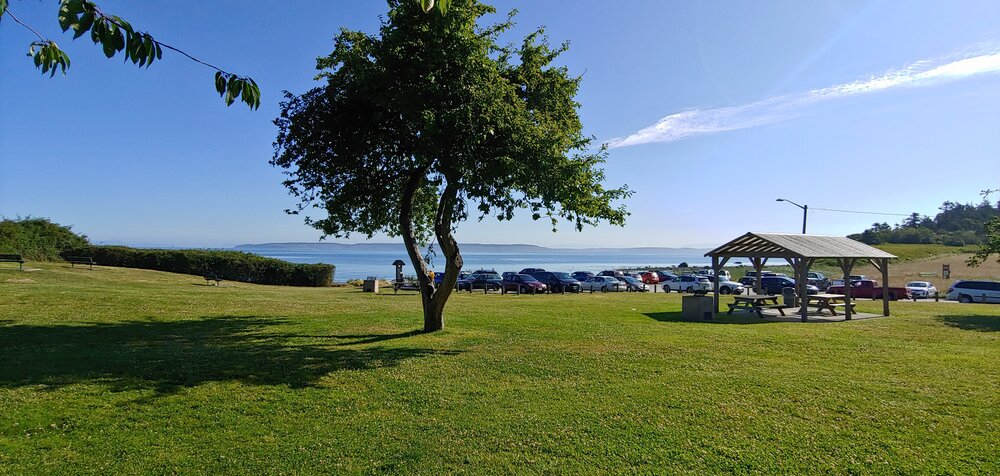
967	322
722	318
169	356
373	338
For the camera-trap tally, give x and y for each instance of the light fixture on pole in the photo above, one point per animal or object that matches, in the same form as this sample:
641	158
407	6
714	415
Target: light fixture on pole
805	212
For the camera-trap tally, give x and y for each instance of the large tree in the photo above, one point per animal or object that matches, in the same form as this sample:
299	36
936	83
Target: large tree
430	122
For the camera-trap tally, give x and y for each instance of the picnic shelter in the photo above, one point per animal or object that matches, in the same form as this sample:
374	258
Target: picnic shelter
801	252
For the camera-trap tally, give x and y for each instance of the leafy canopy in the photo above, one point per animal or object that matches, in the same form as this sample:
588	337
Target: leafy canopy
434	102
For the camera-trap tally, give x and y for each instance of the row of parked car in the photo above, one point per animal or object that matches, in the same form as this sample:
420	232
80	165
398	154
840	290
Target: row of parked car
536	280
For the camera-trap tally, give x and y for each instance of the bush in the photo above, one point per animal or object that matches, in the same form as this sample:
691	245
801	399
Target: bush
38	239
228	265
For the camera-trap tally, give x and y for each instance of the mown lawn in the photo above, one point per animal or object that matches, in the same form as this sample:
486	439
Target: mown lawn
125	371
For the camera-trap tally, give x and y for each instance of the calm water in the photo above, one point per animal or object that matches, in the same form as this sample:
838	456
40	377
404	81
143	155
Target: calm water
358	264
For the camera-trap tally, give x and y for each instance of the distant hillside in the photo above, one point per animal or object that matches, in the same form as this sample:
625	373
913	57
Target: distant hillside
955	224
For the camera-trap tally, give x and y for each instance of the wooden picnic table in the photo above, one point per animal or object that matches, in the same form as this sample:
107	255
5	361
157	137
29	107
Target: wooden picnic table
755	303
828	301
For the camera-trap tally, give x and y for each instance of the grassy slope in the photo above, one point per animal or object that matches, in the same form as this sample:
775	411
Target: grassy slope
907	252
119	370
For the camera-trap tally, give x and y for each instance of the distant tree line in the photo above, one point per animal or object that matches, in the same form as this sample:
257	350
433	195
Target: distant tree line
955	224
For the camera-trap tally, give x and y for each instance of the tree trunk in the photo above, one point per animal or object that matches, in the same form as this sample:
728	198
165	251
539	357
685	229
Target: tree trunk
432	298
452	258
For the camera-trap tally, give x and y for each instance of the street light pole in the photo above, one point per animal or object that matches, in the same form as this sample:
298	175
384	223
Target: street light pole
805	212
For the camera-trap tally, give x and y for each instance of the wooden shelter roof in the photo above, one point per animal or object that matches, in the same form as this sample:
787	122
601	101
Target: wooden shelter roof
786	245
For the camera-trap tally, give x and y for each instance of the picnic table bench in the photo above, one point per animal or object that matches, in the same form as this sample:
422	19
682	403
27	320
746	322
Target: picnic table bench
213	277
75	260
8	258
829	302
755	303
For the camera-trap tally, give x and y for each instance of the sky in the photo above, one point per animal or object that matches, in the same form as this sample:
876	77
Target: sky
711	110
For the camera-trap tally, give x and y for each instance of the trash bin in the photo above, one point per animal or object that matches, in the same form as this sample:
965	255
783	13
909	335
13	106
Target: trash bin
697	308
370	286
788	296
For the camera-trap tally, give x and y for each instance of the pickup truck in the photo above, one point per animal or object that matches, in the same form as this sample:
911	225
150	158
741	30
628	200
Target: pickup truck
867	288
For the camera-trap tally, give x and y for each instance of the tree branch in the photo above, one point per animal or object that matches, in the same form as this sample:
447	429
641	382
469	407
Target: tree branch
19	22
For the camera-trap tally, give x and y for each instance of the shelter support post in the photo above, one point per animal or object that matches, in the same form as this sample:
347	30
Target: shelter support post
717	265
847	265
882	265
758	265
801	267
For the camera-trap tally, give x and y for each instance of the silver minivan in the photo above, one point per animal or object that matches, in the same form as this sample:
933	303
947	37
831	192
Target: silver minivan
974	291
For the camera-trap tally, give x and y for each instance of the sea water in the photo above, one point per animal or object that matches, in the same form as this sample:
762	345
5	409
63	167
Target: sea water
362	263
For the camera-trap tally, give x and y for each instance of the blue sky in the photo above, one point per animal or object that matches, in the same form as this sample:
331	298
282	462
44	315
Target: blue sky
715	110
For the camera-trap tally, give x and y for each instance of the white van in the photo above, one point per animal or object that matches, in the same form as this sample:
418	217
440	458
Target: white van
975	291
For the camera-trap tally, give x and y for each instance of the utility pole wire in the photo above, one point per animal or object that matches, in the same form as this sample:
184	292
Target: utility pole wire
860	212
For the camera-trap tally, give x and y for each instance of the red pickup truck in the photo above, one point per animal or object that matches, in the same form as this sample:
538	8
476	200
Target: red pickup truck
867	288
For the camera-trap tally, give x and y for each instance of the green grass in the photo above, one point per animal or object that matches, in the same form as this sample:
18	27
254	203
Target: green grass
129	371
907	252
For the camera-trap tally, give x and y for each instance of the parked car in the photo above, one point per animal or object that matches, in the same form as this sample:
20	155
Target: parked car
710	272
726	286
523	283
612	273
664	276
835	282
507	273
649	277
530	270
817	279
750	278
581	275
558	282
866	288
921	289
634	284
438	277
857	277
974	291
688	283
774	285
603	283
489	280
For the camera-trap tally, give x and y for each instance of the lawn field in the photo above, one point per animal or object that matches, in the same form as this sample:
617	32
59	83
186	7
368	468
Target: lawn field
128	371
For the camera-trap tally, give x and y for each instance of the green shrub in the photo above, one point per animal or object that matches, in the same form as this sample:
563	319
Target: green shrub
228	265
38	239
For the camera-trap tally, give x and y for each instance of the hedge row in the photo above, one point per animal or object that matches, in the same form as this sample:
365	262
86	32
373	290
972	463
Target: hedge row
228	265
37	239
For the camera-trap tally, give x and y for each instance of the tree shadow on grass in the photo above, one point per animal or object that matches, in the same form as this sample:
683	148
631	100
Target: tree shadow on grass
973	322
169	356
722	318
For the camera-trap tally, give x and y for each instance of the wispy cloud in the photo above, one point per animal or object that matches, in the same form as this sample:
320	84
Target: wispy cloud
712	120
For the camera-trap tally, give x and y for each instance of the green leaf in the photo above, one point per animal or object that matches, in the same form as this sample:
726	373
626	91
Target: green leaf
119	39
95	33
427	5
81	27
220	83
443	6
3	7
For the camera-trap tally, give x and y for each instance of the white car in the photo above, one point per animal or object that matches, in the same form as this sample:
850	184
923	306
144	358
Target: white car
921	289
603	283
688	283
726	286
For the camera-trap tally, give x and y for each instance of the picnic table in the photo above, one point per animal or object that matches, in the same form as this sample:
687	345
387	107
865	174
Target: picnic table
828	301
755	303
